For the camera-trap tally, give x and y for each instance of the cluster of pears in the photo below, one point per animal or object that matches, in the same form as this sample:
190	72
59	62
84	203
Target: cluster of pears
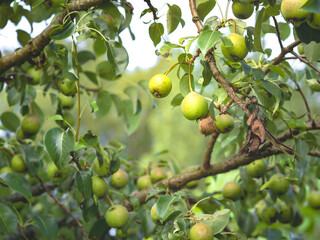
199	231
194	106
66	102
156	175
117	215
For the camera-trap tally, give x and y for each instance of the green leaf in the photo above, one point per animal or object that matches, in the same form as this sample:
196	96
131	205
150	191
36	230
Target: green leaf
204	7
91	76
132	118
93	105
10	121
104	103
55	117
217	222
146	222
313	7
273	88
98	229
59	144
278	70
207	39
41	224
8	220
84	183
105	70
85	56
184	84
15	183
176	101
13	97
156	30
284	29
63	31
257	31
154	191
312	51
23	37
117	56
174	18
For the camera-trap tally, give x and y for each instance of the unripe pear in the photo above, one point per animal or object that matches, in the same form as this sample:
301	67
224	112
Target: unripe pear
232	190
242	10
269	215
66	102
239	49
154	216
36	74
99	186
314	199
224	123
119	179
144	182
201	231
194	106
68	87
103	169
57	175
256	168
279	185
291	12
18	164
286	213
158	174
5	170
117	216
160	86
30	124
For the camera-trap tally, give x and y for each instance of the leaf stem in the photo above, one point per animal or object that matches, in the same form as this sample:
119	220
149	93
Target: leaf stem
78	89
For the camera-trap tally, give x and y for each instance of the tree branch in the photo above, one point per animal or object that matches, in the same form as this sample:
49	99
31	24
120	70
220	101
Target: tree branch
64	208
153	10
234	162
195	15
35	191
207	154
283	52
37	44
304	60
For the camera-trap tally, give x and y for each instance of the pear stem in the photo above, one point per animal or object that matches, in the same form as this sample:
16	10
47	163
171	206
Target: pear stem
234	24
171	68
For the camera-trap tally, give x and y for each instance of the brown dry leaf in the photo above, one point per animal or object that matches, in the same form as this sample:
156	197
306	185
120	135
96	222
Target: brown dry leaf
258	129
254	143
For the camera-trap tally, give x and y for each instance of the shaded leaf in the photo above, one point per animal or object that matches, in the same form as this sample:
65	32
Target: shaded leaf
8	220
10	121
156	30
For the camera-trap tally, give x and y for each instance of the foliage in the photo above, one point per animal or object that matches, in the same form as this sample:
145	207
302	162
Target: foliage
270	105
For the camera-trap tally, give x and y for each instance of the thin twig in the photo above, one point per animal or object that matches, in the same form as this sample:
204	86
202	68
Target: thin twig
282	54
207	154
22	233
304	100
278	31
304	60
153	9
64	208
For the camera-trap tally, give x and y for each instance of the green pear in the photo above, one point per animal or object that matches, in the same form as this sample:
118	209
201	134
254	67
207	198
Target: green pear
239	49
194	106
